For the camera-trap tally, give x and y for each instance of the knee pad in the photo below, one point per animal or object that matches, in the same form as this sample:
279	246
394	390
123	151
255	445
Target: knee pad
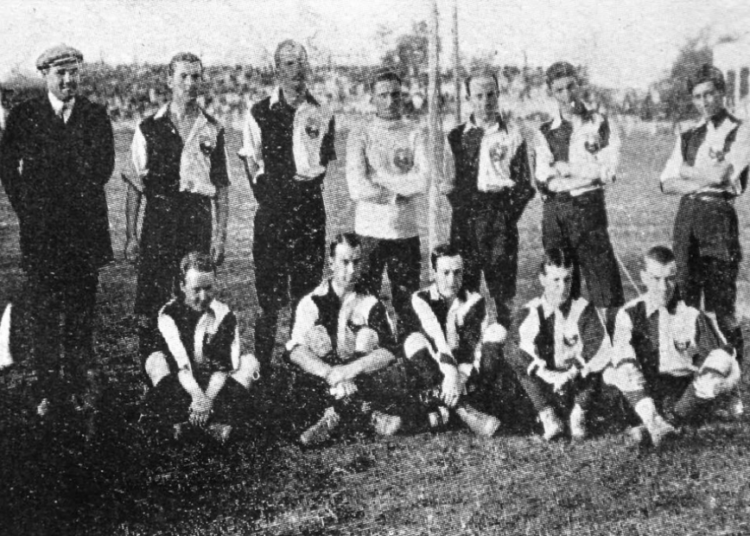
318	341
495	333
719	374
366	342
415	343
157	367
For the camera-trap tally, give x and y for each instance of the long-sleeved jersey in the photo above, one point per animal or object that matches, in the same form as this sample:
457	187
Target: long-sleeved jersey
341	318
454	327
559	338
672	340
722	138
202	342
587	139
386	170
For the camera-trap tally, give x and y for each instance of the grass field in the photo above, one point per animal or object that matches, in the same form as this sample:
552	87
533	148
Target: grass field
450	483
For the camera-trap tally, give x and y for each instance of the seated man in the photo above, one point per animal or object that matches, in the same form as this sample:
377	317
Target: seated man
560	349
342	339
452	353
198	375
671	359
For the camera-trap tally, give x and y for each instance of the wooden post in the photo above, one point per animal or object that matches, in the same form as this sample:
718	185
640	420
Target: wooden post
439	210
456	63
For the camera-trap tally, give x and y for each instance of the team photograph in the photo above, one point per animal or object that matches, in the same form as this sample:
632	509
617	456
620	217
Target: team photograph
454	267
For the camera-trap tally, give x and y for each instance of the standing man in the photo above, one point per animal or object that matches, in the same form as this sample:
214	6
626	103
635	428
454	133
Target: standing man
709	168
56	156
179	165
492	188
288	143
577	155
387	175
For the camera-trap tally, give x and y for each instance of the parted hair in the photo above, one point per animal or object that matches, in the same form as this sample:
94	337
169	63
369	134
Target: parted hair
183	57
200	262
560	69
350	239
557	257
284	44
443	250
384	75
707	73
661	254
479	72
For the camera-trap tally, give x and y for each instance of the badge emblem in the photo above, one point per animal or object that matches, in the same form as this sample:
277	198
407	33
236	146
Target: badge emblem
593	143
403	160
312	128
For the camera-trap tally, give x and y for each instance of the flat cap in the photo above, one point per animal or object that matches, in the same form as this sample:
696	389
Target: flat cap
58	55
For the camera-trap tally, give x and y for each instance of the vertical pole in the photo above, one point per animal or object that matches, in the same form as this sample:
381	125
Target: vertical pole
439	210
456	63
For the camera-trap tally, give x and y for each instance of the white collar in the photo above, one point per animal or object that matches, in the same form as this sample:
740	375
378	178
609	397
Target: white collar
277	93
164	110
58	105
471	125
558	119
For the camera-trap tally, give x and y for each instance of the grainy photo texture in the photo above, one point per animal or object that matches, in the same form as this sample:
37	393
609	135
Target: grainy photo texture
440	267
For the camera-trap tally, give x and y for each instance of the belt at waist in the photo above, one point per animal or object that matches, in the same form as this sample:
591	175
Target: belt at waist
563	197
712	197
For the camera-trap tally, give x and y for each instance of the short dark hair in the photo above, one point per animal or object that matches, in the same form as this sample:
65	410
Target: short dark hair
384	75
557	257
661	254
183	57
479	73
195	260
284	44
443	250
560	69
707	73
350	239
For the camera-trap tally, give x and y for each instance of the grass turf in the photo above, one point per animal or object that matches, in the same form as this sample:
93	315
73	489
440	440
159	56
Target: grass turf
126	482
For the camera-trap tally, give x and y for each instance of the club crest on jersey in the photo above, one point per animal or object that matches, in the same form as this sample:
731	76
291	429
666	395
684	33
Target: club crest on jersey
403	159
312	127
498	153
206	144
682	346
593	143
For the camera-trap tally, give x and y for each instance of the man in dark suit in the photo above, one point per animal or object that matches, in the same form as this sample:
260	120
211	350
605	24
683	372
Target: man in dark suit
56	156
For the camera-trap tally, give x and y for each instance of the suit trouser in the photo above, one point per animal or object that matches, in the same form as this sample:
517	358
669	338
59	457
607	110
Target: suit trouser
62	313
289	254
579	225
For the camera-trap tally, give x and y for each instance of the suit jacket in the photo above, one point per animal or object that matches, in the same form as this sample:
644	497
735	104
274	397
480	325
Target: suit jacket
54	174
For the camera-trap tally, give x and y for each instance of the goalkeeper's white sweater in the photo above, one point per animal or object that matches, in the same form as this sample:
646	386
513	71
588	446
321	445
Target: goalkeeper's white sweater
386	170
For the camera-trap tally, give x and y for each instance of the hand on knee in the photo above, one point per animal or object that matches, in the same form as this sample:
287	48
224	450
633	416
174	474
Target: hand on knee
157	367
415	343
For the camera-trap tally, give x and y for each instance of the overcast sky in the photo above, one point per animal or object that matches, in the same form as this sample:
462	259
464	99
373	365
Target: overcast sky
624	42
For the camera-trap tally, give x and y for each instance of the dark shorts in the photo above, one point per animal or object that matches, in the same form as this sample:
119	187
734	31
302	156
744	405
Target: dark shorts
708	254
579	224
